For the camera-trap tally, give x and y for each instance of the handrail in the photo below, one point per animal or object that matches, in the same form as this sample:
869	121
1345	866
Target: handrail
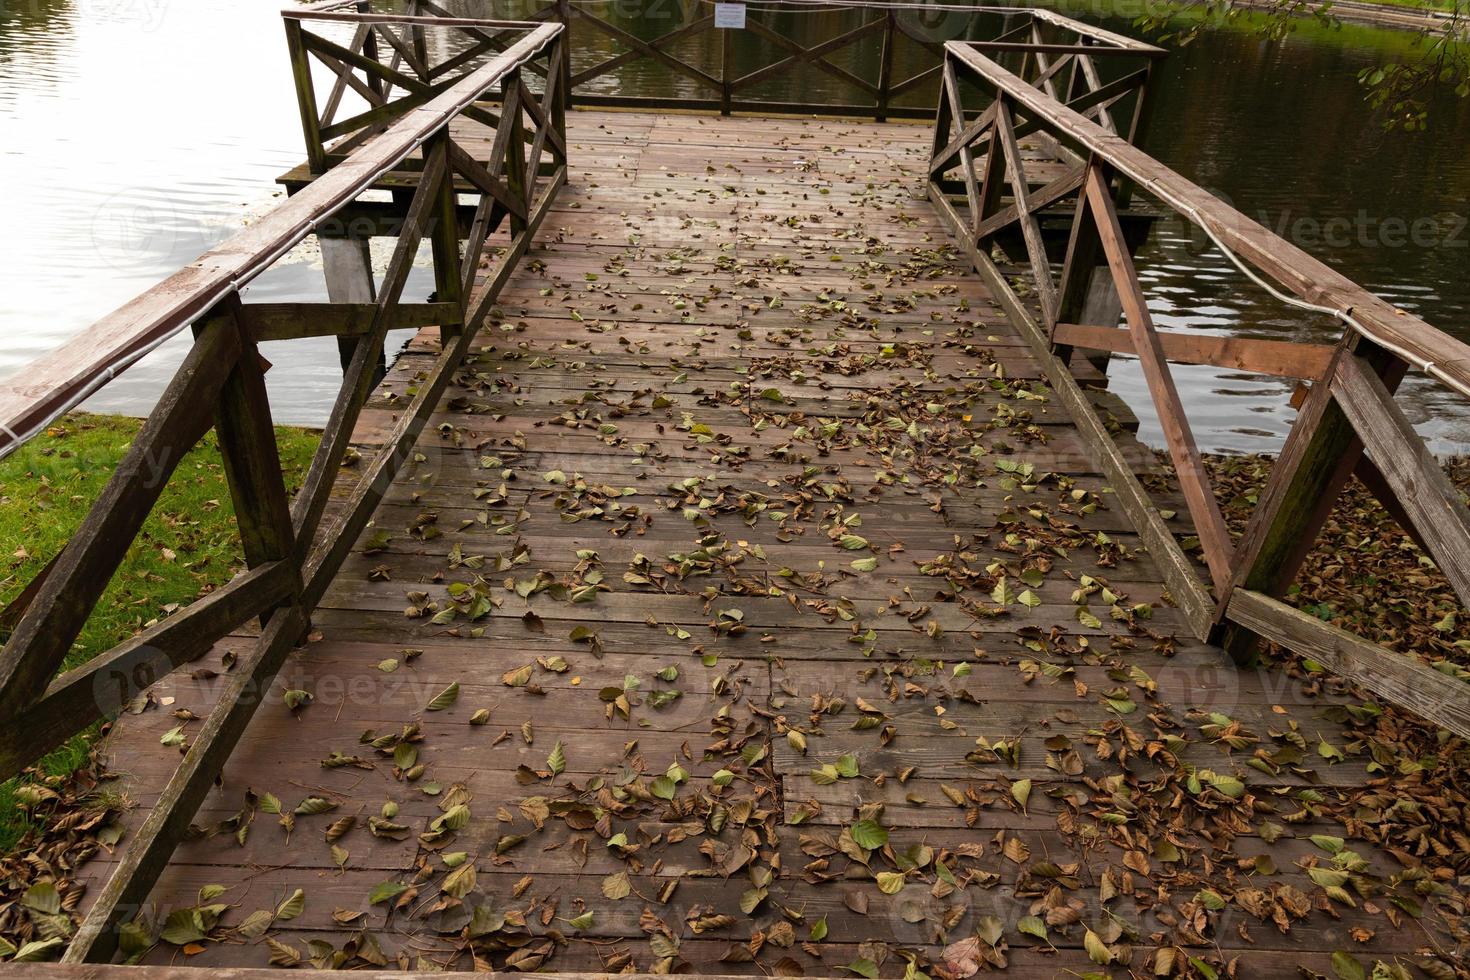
1348	424
1422	345
292	549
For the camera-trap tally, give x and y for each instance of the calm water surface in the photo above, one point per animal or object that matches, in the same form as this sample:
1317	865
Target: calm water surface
134	134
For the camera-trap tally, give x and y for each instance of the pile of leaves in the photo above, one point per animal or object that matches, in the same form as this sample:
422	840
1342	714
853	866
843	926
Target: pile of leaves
71	818
1365	574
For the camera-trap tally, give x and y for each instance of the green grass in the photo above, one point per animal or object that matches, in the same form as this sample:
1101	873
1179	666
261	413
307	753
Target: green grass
188	545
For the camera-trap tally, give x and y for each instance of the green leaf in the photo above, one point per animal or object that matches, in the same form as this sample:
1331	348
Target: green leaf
292	907
182	927
819	930
869	834
1097	950
1347	968
557	761
1031	925
39	950
444	699
1021	791
864	968
385	891
255	924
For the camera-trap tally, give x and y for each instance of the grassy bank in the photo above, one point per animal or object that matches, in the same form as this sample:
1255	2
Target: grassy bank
188	546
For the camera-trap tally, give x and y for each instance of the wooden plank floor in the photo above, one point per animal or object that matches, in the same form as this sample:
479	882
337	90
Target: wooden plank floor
748	541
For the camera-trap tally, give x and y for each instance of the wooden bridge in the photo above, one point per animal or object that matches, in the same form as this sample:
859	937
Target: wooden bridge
744	570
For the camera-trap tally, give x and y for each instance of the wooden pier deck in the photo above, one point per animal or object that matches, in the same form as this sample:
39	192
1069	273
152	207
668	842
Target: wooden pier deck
750	606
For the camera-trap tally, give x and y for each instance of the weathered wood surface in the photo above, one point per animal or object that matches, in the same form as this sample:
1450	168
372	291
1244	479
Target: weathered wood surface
847	471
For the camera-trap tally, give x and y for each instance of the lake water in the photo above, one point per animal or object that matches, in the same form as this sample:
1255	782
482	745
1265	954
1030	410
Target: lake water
134	134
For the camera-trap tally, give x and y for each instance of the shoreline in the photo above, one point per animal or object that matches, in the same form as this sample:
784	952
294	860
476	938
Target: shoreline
1389	15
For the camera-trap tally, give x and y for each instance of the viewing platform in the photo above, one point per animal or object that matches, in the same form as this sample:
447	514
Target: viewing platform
745	569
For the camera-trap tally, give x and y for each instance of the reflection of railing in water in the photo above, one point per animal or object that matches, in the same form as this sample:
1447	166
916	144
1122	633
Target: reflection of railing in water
1348	425
414	146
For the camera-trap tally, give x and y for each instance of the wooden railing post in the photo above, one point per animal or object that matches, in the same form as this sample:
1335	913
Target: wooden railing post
316	154
347	265
885	66
1087	293
564	17
370	50
449	280
515	149
252	462
727	55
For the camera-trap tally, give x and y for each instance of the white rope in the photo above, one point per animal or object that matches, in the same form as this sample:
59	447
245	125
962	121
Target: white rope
1344	316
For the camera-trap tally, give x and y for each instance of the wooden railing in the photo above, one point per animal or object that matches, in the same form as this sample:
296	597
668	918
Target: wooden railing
901	61
1088	174
291	549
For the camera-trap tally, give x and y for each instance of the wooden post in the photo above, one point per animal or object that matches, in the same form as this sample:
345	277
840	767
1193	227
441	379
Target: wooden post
370	49
564	12
247	443
347	263
885	66
1137	130
444	239
1087	293
316	154
515	150
561	59
1194	482
726	54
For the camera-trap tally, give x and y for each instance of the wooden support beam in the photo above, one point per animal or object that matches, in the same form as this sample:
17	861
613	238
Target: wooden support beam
974	194
247	444
1401	679
358	379
1276	358
1430	500
44	635
1086	291
444	241
1316	461
1046	289
103	685
146	853
1189	468
509	140
1037	201
305	95
292	321
1178	571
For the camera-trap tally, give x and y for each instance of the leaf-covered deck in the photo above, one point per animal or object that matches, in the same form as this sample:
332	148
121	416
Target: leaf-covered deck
747	608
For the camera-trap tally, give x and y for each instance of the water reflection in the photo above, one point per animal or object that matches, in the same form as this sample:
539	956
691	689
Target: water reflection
134	134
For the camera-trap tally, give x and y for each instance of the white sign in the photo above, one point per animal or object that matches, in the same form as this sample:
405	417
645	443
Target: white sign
730	15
